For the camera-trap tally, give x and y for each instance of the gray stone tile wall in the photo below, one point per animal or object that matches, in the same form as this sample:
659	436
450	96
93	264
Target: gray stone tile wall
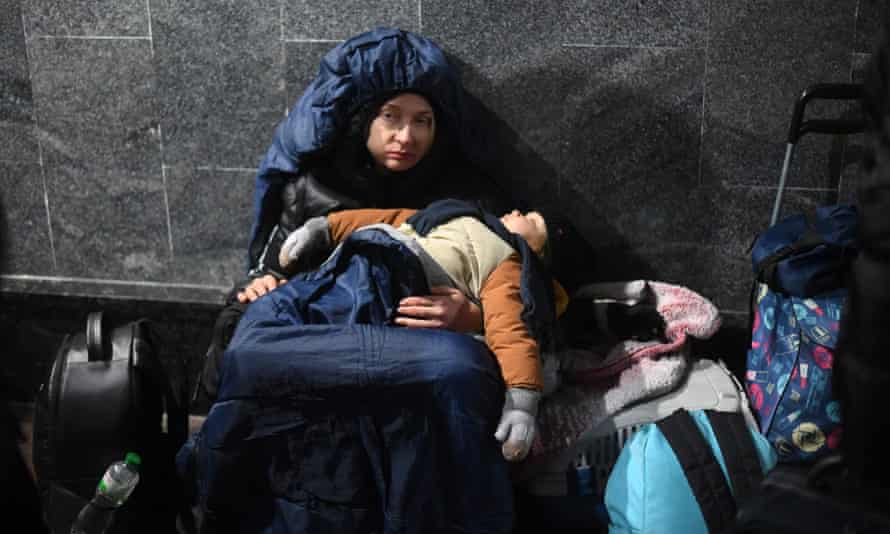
96	108
130	131
87	18
303	20
24	233
869	13
18	137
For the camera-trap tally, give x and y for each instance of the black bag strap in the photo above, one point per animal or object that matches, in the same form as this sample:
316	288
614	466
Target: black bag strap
739	455
174	405
701	469
95	344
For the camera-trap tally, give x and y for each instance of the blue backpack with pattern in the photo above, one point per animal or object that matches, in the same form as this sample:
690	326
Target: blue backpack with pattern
796	308
789	372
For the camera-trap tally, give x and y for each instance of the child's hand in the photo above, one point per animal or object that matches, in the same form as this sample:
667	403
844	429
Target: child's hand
516	430
308	240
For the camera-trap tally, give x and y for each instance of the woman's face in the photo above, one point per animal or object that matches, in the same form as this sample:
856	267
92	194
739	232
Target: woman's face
402	133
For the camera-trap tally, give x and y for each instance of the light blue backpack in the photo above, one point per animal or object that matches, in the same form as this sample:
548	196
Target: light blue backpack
688	473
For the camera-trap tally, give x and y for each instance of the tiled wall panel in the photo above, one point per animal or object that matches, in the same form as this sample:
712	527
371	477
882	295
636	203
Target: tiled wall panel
130	131
18	135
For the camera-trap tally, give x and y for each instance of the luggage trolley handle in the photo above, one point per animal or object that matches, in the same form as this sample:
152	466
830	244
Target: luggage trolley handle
800	127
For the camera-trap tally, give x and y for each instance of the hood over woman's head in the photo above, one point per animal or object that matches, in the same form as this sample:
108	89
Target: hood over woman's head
359	69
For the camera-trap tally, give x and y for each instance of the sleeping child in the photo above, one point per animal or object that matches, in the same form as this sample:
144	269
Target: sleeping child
491	261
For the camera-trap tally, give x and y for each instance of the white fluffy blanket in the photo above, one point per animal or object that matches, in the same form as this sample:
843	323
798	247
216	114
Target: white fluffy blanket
584	387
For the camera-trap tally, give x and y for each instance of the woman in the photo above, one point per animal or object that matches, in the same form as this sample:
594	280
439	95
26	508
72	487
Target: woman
362	137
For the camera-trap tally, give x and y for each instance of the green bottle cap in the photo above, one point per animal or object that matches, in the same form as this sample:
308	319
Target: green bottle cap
133	458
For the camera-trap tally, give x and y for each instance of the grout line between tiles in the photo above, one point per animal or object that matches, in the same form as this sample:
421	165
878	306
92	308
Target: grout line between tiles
648	47
161	151
97	37
166	195
312	40
704	101
40	162
24	27
855	33
151	40
283	42
853	53
211	168
420	16
787	188
105	281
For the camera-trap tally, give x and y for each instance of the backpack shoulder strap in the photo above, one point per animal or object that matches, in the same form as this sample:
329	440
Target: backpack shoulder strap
739	454
701	469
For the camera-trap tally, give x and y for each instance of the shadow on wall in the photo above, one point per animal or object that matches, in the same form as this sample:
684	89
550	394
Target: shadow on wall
605	228
845	160
518	168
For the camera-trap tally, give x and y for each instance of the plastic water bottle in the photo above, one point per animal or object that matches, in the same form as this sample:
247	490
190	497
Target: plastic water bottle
117	484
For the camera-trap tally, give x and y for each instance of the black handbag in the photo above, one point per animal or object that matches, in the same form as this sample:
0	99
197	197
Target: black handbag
107	394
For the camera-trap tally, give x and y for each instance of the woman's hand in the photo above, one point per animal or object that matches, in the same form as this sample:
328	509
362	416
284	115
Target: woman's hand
259	287
446	308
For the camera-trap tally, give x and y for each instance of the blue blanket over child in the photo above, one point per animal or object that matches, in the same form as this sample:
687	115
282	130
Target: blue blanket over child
321	344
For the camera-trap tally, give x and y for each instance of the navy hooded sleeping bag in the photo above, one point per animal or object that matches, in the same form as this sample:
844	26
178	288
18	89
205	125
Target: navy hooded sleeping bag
354	73
323	343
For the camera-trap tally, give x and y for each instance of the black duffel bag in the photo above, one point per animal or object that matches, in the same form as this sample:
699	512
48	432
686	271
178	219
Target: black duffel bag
107	394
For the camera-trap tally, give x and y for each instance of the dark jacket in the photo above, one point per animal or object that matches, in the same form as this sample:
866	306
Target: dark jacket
322	190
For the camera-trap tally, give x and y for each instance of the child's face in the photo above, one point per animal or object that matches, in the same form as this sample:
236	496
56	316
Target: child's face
529	226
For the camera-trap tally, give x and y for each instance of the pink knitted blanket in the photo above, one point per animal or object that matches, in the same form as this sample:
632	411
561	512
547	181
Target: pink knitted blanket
593	387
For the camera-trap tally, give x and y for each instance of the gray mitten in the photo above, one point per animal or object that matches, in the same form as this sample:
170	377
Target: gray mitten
311	239
516	429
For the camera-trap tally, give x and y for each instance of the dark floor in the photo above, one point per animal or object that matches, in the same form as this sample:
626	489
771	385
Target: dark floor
534	514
